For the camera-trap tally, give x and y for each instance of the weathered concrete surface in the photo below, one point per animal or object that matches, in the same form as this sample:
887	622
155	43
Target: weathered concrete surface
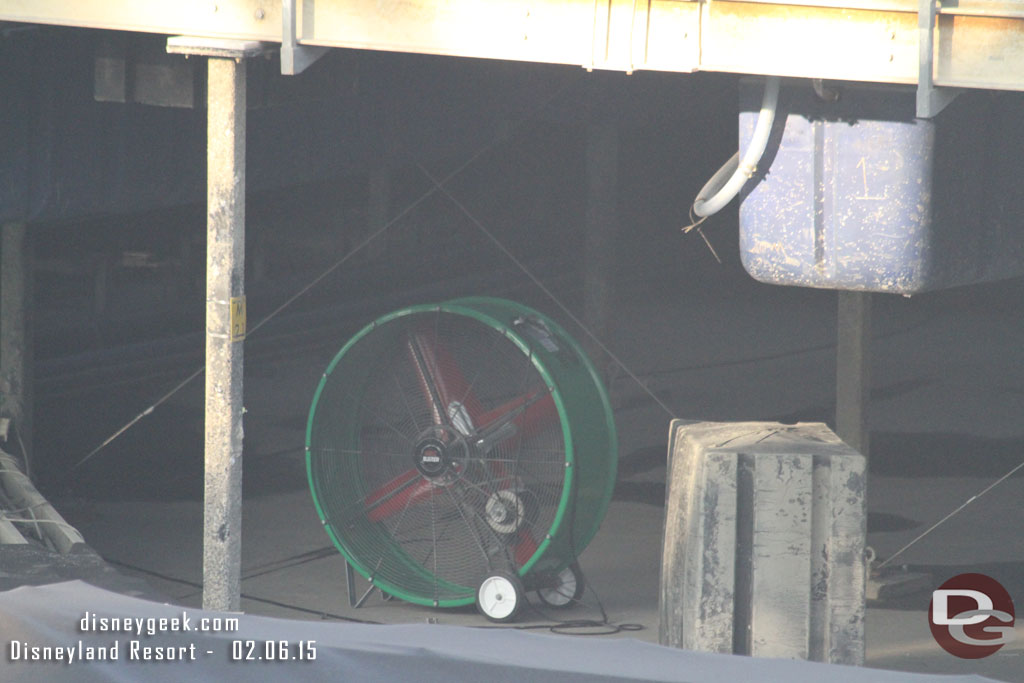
697	572
765	528
224	282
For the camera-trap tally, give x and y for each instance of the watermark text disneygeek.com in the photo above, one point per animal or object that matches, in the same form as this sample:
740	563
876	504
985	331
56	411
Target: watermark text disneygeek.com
137	646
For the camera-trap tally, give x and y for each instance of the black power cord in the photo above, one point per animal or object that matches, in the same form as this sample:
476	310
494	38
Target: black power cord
570	627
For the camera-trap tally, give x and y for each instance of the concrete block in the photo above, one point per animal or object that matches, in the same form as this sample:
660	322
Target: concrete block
765	529
704	512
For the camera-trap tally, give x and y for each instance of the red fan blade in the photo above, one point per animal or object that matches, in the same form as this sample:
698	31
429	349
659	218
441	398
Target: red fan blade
535	414
438	371
405	489
525	547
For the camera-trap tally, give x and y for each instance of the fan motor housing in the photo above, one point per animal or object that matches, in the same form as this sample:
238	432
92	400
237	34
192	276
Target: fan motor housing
447	442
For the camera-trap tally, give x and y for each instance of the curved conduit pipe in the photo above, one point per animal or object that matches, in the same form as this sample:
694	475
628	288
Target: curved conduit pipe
718	191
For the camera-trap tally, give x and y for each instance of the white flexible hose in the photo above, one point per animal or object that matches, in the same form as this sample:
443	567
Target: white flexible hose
718	191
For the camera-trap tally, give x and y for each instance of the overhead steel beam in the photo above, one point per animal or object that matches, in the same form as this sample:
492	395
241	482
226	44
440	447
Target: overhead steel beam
978	44
236	19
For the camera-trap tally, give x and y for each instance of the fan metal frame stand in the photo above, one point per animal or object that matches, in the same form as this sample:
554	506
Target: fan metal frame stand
350	586
358	602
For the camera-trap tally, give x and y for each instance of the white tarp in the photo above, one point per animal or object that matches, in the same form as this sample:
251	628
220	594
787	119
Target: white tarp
41	627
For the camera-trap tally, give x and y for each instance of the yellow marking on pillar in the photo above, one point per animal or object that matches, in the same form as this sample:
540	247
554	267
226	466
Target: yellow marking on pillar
237	318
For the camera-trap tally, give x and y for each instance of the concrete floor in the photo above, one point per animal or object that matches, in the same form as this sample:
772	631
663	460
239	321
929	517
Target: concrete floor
946	419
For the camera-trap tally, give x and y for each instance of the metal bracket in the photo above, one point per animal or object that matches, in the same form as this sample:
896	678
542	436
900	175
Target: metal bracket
931	99
214	47
294	57
350	584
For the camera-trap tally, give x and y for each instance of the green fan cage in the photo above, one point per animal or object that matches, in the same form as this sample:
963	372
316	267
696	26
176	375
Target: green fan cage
447	442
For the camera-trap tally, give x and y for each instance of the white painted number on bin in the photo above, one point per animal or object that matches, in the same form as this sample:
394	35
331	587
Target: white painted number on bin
863	166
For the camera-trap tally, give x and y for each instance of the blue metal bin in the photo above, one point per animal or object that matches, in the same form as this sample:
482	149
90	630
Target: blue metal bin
859	194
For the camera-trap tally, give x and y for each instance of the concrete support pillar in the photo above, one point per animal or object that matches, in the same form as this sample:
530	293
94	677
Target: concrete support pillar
853	369
601	225
16	336
225	332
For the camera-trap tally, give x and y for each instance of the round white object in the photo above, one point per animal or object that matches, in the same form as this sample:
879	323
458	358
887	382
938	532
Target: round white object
498	597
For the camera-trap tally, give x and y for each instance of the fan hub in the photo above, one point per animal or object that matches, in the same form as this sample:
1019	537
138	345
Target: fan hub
431	457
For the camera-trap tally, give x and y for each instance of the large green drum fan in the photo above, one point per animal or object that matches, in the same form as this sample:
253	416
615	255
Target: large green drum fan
463	452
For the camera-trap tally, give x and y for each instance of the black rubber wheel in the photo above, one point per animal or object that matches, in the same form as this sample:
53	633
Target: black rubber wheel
568	589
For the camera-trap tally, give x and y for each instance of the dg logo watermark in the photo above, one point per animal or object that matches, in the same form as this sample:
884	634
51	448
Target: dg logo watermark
971	616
